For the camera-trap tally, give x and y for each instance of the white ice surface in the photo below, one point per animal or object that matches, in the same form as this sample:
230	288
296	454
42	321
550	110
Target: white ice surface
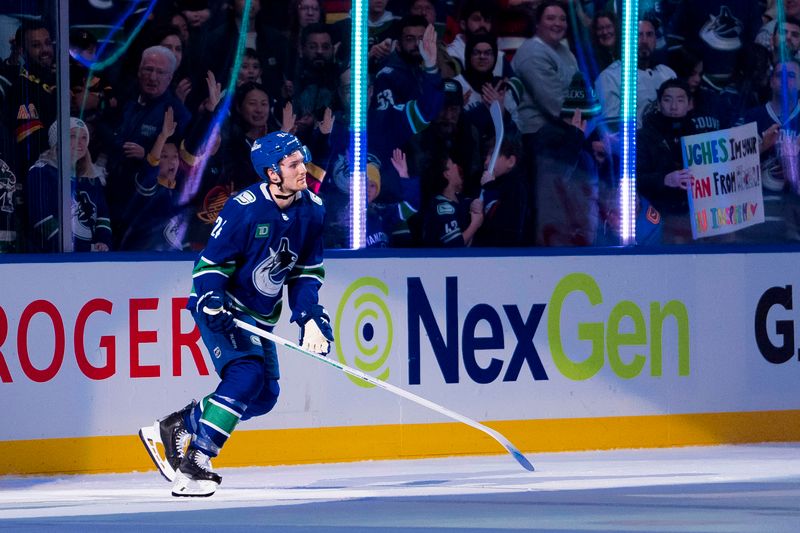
721	488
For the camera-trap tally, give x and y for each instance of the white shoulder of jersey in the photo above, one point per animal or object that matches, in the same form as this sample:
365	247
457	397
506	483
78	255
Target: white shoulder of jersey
245	198
314	198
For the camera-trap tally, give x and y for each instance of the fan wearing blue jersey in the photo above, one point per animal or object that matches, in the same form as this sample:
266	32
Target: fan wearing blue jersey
267	237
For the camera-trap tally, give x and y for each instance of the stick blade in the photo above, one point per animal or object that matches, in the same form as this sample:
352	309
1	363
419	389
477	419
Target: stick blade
521	459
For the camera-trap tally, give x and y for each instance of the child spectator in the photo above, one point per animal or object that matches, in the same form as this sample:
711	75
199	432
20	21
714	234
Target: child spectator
250	70
388	224
450	220
507	215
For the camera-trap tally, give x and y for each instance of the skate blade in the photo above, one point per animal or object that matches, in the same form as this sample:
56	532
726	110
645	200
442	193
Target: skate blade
185	487
151	437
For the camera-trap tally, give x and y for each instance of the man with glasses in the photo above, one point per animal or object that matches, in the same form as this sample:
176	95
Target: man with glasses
142	121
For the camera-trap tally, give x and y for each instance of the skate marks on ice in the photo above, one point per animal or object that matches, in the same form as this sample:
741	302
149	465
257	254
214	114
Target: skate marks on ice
726	488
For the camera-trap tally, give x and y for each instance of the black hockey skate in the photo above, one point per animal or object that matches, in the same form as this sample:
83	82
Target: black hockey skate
194	476
174	437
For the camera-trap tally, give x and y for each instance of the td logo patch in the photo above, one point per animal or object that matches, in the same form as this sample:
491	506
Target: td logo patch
262	231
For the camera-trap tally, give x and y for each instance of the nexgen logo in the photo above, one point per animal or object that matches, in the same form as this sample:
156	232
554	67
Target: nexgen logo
626	325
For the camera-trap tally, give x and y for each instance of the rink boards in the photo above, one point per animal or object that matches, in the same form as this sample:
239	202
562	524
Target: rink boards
558	353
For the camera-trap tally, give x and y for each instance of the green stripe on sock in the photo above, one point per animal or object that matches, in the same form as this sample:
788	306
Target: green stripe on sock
220	417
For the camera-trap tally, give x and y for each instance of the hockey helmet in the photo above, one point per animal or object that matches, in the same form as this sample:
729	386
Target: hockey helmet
268	151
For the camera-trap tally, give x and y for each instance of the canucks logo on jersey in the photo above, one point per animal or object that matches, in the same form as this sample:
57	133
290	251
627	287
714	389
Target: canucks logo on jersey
84	214
268	277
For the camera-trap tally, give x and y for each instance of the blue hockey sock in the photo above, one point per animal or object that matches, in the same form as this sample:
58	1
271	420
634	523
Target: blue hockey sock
191	418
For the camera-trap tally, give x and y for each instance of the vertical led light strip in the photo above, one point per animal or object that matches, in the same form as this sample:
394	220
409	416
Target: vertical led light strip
627	189
358	125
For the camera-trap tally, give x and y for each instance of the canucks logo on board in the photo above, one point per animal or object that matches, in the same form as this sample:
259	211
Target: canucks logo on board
268	277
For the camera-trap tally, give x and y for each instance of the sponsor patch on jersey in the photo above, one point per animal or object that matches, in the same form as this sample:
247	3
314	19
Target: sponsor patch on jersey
245	197
314	198
445	209
262	231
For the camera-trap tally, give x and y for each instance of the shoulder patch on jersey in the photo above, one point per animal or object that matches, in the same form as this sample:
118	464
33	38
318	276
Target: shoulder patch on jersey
445	209
245	197
314	198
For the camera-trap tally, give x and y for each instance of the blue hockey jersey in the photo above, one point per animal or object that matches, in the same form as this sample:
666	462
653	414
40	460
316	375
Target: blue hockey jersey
256	248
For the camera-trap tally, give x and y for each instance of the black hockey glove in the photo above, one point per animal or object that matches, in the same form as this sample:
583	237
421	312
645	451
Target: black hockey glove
211	306
316	334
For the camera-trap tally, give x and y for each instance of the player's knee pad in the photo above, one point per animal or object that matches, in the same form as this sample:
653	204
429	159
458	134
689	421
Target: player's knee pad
265	401
242	379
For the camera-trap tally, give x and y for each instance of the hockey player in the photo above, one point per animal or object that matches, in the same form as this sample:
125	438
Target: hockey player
268	236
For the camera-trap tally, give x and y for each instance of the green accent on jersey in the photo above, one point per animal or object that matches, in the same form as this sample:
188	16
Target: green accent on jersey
314	271
103	223
47	228
262	231
406	210
415	118
270	319
205	267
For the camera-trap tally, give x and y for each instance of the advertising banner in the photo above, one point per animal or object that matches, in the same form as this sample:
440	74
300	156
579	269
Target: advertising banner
83	353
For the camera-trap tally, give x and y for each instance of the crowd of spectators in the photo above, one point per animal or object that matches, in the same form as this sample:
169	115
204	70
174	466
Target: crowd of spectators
490	122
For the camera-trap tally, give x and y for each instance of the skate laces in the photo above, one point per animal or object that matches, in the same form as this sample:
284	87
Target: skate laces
202	460
180	441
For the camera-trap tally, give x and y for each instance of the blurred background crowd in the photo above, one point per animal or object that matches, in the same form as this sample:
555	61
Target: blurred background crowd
490	122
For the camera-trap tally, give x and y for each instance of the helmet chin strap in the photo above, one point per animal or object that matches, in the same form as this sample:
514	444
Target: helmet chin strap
280	188
282	196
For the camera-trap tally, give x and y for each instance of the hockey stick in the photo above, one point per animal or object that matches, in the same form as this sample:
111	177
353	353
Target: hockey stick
515	453
499	131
